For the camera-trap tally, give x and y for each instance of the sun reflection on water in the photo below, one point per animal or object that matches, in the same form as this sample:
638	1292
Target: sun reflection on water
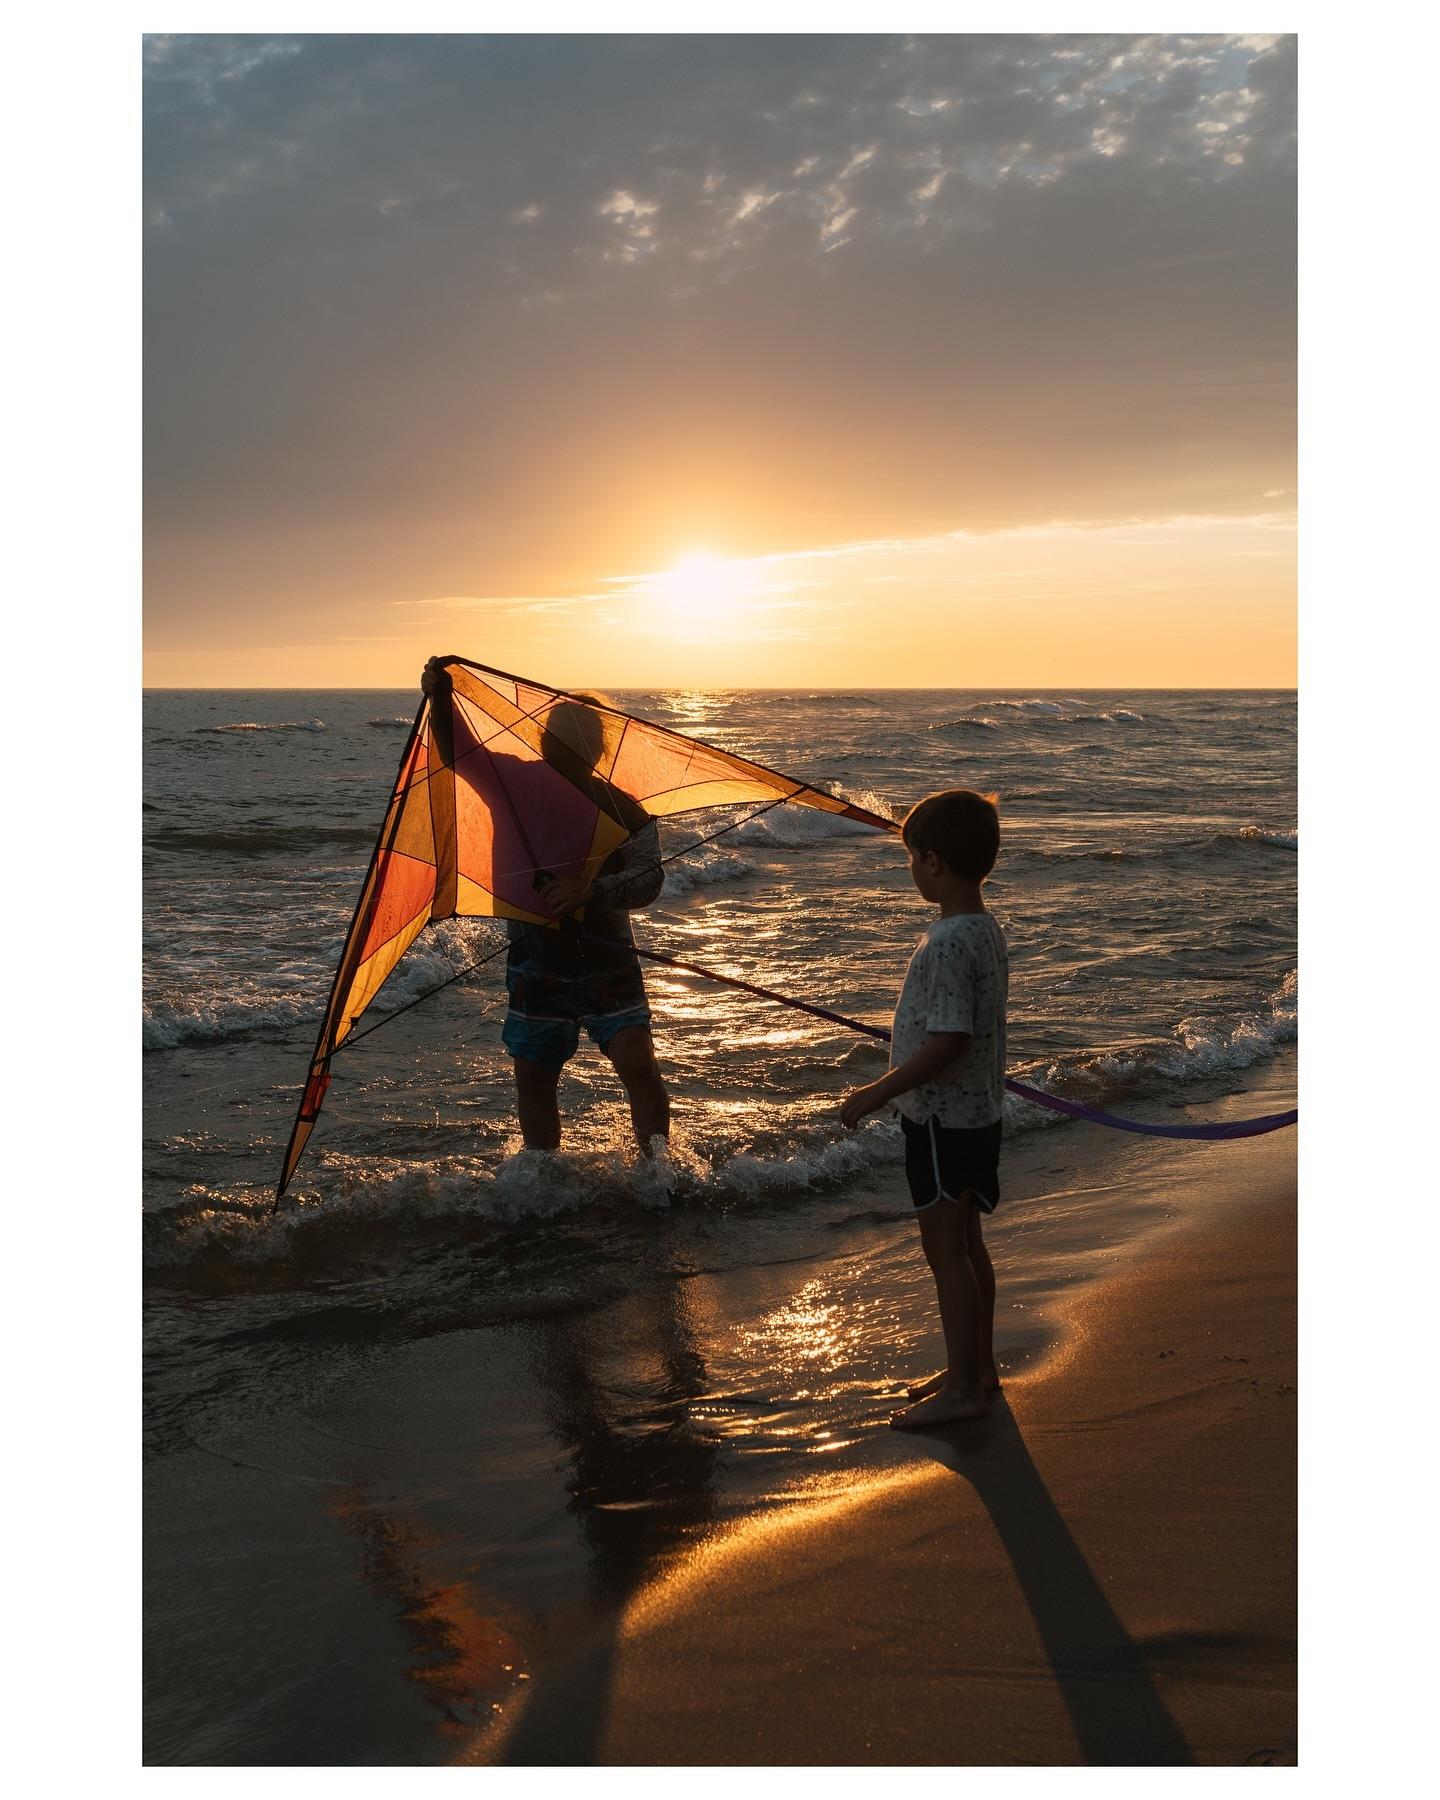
808	1335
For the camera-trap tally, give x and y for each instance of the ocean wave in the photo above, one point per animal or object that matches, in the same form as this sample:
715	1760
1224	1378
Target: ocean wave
396	724
252	725
703	868
347	1205
242	1008
1043	709
845	700
795	826
239	1006
1282	840
257	840
1220	842
1059	712
1198	1049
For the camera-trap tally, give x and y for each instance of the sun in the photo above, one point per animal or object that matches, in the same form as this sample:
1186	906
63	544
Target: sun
702	596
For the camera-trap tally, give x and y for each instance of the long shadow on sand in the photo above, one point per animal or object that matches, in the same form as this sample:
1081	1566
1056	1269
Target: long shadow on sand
1100	1671
1102	1674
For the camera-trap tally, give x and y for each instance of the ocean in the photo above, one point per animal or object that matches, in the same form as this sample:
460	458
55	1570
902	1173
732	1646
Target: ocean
455	1401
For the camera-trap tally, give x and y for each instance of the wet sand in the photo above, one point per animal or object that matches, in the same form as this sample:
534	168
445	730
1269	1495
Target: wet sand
1103	1571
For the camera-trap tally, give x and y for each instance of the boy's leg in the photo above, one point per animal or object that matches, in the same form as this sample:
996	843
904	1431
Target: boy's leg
985	1281
536	1105
945	1237
633	1053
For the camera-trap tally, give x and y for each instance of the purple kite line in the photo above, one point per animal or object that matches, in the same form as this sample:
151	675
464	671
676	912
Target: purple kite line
1073	1109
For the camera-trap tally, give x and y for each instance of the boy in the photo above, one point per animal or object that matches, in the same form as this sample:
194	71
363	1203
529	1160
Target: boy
947	1075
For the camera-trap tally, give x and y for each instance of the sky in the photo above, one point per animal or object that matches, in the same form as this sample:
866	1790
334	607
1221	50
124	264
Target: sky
744	360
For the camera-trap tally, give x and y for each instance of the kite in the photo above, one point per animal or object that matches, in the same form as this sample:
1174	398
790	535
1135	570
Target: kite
505	784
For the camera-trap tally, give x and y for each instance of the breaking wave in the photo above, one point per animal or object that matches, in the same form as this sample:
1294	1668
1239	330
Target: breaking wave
347	1203
242	1007
795	826
846	700
703	868
1059	712
1198	1049
1282	840
234	1007
252	725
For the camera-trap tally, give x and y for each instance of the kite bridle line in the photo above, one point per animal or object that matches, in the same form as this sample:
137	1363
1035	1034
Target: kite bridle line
480	962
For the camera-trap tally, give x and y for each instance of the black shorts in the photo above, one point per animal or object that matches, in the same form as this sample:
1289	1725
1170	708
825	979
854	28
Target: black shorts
949	1162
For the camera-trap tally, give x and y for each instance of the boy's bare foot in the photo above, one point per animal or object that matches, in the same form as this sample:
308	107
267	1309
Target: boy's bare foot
944	1408
922	1390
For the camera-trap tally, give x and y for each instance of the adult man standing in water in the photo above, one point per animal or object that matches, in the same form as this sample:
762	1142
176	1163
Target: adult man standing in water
585	972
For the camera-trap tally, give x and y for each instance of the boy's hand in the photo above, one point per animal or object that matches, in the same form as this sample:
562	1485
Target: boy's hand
855	1106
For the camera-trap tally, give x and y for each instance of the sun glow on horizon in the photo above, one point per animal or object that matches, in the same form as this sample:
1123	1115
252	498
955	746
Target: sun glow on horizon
1178	600
701	598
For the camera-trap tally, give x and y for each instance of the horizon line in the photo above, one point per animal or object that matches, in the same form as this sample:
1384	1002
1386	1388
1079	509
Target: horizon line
748	688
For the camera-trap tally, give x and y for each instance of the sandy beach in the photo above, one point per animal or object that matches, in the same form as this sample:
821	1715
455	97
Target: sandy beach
1103	1571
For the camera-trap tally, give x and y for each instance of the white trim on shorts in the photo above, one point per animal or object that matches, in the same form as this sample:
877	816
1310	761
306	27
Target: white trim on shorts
940	1194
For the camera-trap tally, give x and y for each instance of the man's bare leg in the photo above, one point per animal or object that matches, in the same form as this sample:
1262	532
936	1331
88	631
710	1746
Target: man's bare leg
985	1281
945	1239
536	1105
633	1053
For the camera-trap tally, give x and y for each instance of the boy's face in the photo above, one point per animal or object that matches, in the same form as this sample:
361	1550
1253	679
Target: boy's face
925	871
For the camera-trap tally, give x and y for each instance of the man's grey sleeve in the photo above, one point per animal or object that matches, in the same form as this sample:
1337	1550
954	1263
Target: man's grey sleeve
640	878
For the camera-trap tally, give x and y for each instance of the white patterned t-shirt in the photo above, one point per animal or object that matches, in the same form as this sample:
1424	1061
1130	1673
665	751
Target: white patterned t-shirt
958	980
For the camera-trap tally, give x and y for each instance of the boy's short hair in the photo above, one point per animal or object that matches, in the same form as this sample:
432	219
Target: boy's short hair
960	826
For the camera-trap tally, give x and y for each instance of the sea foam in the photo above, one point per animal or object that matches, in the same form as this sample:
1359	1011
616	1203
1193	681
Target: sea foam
252	725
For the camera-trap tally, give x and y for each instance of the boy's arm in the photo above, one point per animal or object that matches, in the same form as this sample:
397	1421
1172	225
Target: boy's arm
940	1049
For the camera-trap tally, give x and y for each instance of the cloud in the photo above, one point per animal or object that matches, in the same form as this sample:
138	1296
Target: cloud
503	311
718	131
